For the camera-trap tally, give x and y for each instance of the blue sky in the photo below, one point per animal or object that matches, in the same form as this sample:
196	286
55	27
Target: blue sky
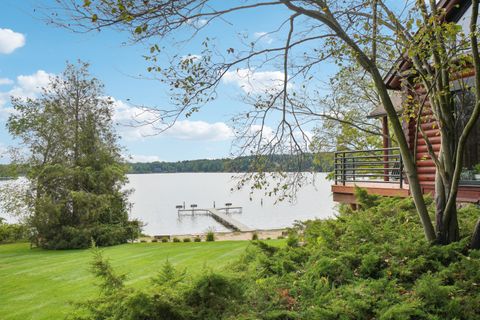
30	50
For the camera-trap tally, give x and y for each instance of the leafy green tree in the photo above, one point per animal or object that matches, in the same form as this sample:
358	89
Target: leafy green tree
75	168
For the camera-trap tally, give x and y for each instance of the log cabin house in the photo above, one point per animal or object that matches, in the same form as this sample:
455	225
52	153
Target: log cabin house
380	171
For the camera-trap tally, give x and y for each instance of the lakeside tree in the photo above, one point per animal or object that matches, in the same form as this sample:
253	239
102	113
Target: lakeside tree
75	171
312	32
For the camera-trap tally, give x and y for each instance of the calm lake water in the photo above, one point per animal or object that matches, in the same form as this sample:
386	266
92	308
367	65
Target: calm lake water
156	195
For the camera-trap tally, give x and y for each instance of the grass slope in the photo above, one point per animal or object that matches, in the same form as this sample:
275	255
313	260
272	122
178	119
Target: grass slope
41	284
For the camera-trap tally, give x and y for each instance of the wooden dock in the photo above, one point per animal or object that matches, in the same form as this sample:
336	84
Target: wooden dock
220	217
228	221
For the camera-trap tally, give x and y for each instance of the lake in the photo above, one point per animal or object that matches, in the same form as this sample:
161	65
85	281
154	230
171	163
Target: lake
156	195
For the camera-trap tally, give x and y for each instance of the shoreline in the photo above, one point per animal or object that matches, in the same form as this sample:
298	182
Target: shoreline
263	234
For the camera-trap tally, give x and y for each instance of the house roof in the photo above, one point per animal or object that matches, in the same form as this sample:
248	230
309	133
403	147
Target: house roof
397	100
454	10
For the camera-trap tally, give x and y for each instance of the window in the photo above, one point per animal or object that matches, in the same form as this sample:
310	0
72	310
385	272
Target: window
464	101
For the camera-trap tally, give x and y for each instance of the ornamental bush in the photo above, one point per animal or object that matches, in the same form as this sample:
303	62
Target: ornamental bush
210	236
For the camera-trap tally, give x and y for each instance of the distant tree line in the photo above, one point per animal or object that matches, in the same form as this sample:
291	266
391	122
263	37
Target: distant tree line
310	162
322	162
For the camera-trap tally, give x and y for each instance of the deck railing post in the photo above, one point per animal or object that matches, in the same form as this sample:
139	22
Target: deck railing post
335	171
386	158
401	172
344	176
353	169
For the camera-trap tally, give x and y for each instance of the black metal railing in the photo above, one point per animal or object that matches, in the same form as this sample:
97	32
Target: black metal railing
378	165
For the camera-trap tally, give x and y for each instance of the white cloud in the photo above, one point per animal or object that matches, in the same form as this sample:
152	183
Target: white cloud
4	98
5	81
133	123
201	22
263	36
143	158
136	124
25	86
267	132
200	130
10	41
193	57
255	82
270	136
30	86
197	23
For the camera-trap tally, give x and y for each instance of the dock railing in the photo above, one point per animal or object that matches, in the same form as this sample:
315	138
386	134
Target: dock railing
377	165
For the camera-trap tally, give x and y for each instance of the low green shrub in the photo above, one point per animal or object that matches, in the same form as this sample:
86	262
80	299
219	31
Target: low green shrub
281	315
292	240
169	276
71	238
255	236
13	232
154	240
213	294
197	239
164	240
187	240
68	237
175	239
210	236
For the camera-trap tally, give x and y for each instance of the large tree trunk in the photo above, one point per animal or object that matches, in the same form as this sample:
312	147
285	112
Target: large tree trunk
453	231
475	242
447	231
440	203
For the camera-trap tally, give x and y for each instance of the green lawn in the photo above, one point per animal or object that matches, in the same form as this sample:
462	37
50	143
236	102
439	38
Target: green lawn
41	284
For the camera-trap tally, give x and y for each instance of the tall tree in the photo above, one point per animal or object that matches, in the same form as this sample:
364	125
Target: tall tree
75	169
314	31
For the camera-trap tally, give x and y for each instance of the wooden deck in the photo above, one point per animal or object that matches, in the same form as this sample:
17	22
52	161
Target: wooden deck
346	193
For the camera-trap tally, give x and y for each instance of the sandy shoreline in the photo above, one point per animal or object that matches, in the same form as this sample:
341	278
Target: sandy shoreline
226	236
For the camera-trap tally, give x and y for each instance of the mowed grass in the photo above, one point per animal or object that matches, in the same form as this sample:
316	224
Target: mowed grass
42	284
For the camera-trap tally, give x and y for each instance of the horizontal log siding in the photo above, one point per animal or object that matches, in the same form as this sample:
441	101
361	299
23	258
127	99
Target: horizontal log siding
425	164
